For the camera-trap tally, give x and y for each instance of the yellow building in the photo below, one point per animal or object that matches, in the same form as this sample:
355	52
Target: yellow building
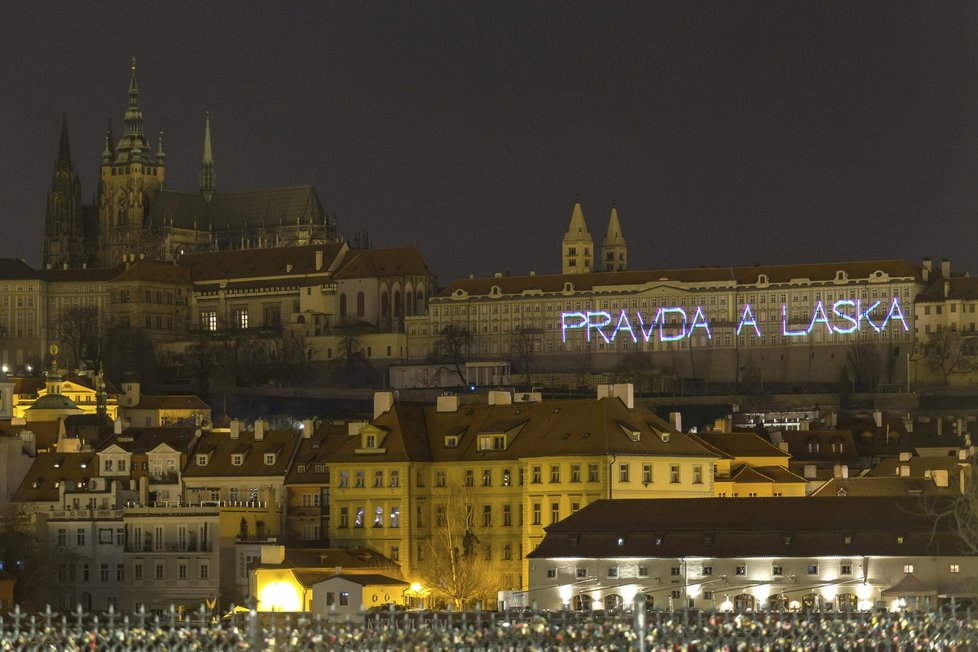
522	465
82	391
750	466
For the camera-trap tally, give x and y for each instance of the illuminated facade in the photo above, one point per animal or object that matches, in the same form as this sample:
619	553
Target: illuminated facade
528	466
773	554
785	323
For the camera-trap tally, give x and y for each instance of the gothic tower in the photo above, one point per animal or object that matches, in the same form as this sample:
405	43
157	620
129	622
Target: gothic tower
614	253
208	180
130	181
578	245
63	224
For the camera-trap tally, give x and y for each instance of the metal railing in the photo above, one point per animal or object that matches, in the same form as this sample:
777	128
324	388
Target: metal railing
487	631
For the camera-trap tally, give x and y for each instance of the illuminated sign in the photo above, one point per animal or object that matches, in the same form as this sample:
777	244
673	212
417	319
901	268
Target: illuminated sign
670	324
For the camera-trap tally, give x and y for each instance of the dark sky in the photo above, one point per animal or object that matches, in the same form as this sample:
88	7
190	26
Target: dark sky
727	132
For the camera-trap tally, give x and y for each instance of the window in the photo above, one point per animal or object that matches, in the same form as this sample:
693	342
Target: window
80	537
554	512
592	472
137	571
344	599
551	573
813	569
269	459
108	465
536	513
486	515
537	475
622	473
469	478
360	478
237	459
646	474
674	473
396	478
239	318
395	553
120	572
204	570
507	478
707	570
378	479
103	573
908	568
675	571
358	521
777	571
159	571
378	517
395	516
487	477
955	568
182	571
612	571
554	473
507	515
201	460
344	517
643	571
62	537
575	473
845	569
697	474
344	478
741	570
439	478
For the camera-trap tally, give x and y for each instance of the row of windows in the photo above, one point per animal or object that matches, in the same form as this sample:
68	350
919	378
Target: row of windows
777	570
68	573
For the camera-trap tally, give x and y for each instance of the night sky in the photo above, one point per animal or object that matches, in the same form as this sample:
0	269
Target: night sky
727	133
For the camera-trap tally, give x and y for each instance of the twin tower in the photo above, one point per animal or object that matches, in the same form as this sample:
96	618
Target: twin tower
578	247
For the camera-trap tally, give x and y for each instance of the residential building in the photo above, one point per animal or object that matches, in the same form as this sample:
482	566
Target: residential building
749	466
757	554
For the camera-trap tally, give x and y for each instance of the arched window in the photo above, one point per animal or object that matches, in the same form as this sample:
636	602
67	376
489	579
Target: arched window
410	301
614	602
777	603
385	305
360	304
122	208
744	602
342	305
420	301
398	308
847	602
582	602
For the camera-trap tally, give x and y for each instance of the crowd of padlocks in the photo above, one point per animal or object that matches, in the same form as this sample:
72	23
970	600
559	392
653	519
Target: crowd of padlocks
490	631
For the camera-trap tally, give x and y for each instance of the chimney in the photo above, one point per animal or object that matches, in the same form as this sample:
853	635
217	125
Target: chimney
904	470
845	471
447	403
500	397
926	269
878	418
625	392
946	268
259	429
383	402
947	288
29	441
783	446
810	471
118	425
235	428
319	260
676	419
940	477
272	554
905	456
837	471
308	427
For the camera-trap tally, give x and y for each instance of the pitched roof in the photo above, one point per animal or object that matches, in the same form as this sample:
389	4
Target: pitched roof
280	442
80	275
315	451
866	486
394	261
749	527
143	440
170	402
15	269
707	276
49	469
233	210
738	444
371	579
154	272
284	263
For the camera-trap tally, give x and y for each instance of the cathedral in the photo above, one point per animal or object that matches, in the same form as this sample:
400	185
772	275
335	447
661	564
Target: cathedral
134	213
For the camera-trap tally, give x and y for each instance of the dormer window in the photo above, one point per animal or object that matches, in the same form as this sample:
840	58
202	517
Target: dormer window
269	459
301	468
492	442
202	460
237	459
451	441
370	441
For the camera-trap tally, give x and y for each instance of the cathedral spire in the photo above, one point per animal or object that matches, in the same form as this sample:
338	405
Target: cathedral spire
208	180
133	143
64	148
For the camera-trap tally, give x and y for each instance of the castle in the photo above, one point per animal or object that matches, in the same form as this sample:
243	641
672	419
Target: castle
134	213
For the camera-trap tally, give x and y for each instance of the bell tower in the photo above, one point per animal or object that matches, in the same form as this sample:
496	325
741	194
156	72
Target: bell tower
130	181
578	247
614	252
64	235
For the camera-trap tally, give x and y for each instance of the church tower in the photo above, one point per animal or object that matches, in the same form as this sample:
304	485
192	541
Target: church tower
614	253
208	180
63	225
131	178
578	245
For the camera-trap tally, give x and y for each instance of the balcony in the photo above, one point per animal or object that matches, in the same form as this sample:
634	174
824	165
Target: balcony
170	477
191	546
84	514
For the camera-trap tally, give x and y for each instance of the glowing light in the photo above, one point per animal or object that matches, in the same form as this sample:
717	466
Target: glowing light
279	596
794	605
863	591
748	319
693	590
566	591
416	587
846	316
628	593
726	605
761	592
829	592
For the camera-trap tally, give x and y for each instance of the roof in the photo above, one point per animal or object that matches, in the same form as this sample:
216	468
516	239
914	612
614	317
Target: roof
962	288
234	210
154	272
731	276
40	484
558	427
53	402
750	527
374	263
80	275
315	451
865	486
369	579
143	440
329	559
286	263
737	444
280	442
15	269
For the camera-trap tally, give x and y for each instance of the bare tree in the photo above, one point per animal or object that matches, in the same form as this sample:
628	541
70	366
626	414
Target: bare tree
457	566
949	352
525	345
453	347
27	554
863	360
78	330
